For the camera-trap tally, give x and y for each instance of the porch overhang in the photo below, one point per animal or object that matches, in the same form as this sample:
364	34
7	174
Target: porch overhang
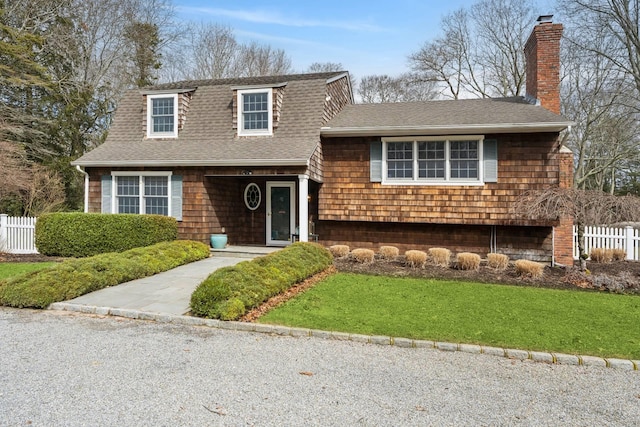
445	129
195	163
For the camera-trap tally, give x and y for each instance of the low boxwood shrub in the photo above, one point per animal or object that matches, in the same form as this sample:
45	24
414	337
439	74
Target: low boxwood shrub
78	234
618	254
229	292
600	255
529	268
440	256
363	256
498	261
338	251
75	277
415	259
468	261
389	253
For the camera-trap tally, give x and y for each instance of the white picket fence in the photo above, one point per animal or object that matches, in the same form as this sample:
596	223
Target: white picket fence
17	235
609	238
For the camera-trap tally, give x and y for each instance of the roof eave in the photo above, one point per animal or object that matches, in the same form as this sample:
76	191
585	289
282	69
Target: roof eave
445	130
194	163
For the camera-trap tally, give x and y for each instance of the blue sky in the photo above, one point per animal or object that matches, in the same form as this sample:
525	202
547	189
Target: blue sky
367	37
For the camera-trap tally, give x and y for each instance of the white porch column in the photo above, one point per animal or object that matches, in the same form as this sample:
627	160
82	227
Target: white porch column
303	207
86	187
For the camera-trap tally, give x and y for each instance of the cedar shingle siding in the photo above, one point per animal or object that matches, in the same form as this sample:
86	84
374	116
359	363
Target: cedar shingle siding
525	162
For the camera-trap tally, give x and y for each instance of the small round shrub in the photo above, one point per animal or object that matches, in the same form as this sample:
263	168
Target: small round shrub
364	256
498	261
415	259
389	252
440	256
529	268
600	255
468	261
339	251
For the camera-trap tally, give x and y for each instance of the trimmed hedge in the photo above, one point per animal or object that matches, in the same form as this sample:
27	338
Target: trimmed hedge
229	292
75	277
82	234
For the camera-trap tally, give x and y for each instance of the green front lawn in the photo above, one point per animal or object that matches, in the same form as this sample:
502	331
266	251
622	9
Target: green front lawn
10	269
551	320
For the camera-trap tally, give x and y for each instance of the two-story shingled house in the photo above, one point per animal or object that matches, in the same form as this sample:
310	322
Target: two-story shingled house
266	157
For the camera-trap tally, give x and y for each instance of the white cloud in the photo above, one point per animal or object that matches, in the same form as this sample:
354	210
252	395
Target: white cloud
266	17
280	39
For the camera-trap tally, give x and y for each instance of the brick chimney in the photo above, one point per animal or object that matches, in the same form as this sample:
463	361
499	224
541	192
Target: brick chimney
542	56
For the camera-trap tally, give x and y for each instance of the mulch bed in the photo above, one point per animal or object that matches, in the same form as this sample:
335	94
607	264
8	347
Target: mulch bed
620	276
6	257
271	303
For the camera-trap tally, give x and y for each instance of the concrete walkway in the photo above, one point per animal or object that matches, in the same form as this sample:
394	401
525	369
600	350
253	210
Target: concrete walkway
167	293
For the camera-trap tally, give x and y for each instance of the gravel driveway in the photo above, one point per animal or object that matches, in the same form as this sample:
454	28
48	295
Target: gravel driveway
71	369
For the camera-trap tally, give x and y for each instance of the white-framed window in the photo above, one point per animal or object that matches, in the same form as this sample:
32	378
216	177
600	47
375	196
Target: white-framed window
255	111
142	193
162	116
433	160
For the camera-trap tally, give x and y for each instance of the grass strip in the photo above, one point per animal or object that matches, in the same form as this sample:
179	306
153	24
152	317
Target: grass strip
10	269
577	322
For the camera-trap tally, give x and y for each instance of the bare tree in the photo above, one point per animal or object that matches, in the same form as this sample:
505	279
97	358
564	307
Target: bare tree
44	192
480	52
404	88
442	60
14	172
213	49
599	96
257	59
325	67
618	22
585	207
212	52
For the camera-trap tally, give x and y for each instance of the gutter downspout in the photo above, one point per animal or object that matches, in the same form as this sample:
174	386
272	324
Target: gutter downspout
86	187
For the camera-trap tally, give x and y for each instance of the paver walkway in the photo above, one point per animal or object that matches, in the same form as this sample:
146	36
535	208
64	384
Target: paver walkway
168	292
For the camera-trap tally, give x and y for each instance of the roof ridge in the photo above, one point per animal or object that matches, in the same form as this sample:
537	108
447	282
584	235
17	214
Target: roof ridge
267	79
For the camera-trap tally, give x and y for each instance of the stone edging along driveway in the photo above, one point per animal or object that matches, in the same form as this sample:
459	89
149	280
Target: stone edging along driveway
536	356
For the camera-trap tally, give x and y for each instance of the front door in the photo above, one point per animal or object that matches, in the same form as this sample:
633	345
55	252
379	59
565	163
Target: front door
280	212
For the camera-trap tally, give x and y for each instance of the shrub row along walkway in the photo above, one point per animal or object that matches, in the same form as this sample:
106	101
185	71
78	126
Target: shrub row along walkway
168	292
165	298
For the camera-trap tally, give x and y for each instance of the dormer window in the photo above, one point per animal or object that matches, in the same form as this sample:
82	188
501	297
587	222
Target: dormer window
255	112
162	116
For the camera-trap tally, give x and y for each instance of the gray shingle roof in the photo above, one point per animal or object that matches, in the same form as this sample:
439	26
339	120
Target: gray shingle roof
208	137
496	115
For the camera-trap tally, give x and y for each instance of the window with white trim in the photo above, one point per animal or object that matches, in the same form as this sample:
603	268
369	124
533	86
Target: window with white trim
147	193
433	160
255	111
162	116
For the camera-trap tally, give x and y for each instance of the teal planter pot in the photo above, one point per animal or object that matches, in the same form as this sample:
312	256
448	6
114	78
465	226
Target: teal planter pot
218	241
